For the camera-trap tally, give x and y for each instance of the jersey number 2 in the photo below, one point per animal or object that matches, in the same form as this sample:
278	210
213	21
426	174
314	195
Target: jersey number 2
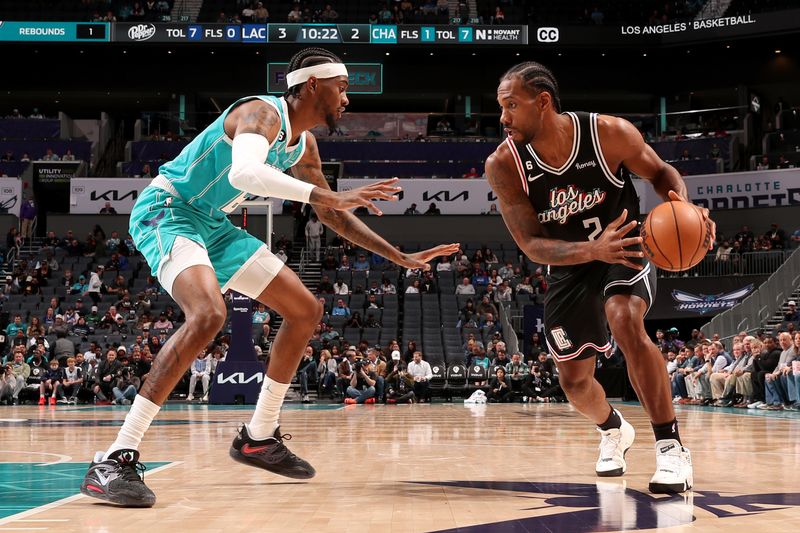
593	222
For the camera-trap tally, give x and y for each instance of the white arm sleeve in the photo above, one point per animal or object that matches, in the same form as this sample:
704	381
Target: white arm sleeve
250	174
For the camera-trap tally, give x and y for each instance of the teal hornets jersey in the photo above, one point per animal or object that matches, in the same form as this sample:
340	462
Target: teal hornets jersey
200	172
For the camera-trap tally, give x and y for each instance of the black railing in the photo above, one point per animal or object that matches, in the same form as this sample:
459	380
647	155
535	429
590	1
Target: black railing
762	263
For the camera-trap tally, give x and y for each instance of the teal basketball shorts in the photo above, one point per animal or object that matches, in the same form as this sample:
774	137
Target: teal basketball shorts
174	236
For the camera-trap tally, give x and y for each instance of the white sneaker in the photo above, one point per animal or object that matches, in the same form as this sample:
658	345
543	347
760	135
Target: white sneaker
190	398
524	399
754	405
613	446
673	468
205	399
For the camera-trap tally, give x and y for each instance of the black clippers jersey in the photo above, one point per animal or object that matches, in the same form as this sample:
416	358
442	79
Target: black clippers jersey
575	202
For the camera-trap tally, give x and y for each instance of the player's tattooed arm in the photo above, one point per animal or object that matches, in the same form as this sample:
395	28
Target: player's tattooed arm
254	116
349	226
521	219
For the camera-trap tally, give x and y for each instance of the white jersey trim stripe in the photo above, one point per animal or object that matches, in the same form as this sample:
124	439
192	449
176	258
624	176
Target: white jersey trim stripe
573	355
518	163
598	150
201	157
576	144
644	272
210	184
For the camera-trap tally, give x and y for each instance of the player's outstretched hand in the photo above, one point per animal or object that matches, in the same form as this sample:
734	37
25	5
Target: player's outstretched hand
675	197
421	259
612	243
358	197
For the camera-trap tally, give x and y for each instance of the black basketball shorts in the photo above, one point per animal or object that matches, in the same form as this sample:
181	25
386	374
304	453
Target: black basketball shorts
574	313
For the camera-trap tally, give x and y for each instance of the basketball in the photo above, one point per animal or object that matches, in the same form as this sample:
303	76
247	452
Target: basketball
675	236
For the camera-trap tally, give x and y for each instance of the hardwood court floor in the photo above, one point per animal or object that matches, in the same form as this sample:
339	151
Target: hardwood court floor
520	468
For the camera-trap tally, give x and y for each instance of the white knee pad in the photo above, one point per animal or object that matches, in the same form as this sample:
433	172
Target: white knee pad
256	274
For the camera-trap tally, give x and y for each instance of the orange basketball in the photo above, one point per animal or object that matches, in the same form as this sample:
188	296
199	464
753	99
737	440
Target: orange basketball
675	236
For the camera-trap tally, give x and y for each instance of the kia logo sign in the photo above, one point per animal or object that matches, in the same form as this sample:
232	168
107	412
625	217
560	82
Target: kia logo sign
547	35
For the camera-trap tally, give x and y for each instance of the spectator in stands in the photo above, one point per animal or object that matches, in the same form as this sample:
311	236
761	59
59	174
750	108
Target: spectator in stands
21	371
791	314
471	174
783	163
201	370
112	243
164	323
50	156
361	263
15	114
503	293
465	287
355	321
500	387
776	237
763	164
763	363
68	156
295	15
341	309
777	393
8	157
125	381
387	286
8	383
51	383
15	326
260	315
517	371
493	209
314	231
107	209
261	15
411	210
444	265
685	155
340	287
433	210
27	215
421	372
414	287
328	14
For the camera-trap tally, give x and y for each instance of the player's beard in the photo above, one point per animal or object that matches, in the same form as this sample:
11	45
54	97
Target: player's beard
330	120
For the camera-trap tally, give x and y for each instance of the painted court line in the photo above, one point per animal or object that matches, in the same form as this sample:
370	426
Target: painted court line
59	503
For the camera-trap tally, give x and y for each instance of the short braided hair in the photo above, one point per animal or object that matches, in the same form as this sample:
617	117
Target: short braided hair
537	78
308	57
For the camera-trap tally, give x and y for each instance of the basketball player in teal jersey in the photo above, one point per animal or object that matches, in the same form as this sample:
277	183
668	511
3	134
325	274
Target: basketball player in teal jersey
566	195
179	224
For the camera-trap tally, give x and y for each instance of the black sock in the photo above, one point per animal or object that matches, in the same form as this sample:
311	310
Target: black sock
612	422
668	430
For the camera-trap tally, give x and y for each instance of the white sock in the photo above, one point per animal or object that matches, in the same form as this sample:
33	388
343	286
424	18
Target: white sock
265	417
142	413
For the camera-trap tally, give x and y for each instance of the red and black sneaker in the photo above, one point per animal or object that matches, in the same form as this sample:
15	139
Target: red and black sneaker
117	480
270	454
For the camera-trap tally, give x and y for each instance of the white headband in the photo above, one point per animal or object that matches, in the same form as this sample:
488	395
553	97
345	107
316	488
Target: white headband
324	70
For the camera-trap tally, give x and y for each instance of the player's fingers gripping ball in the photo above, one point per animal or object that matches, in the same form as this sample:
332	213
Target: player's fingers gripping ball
675	236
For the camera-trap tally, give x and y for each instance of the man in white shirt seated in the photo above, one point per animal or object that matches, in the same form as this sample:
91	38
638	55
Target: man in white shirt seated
421	372
465	288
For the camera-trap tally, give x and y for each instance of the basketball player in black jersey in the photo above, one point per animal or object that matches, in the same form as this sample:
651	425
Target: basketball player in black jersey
567	198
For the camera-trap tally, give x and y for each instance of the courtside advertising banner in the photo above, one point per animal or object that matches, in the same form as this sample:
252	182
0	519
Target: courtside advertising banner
89	196
10	195
452	197
744	190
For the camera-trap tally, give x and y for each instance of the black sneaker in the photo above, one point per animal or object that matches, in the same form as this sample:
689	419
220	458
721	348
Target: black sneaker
270	454
117	480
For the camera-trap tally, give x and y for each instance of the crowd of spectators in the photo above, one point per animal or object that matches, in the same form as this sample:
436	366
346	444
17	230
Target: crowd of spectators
85	323
751	372
35	114
128	11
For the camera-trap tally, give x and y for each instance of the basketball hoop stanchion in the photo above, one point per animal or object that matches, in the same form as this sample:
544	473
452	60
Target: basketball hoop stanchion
238	378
